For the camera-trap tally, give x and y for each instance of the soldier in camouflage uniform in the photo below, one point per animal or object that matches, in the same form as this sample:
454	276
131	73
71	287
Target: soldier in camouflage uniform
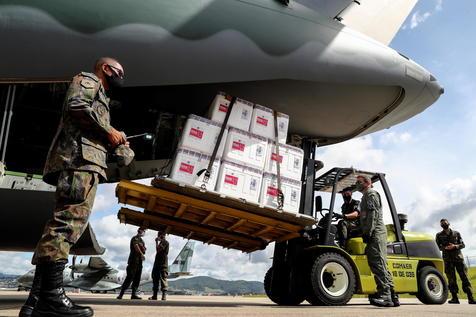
374	234
161	266
75	164
134	264
450	243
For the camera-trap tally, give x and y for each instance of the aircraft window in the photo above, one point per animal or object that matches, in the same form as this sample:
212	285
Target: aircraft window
432	78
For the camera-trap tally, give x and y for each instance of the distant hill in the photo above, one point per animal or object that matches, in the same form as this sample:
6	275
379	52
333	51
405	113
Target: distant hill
205	284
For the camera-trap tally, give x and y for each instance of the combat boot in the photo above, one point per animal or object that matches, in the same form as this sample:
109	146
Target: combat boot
154	296
121	293
134	294
164	295
381	301
53	301
27	308
395	299
470	298
454	299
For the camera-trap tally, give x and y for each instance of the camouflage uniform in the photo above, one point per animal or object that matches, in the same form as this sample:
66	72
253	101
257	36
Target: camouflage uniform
75	164
134	265
160	270
375	234
454	260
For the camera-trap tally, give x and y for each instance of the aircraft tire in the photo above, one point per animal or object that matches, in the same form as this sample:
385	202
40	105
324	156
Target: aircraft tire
279	293
332	281
432	286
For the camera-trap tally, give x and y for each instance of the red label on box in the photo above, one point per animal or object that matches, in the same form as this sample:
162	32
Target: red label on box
272	191
274	157
223	108
187	168
230	179
196	133
237	145
262	121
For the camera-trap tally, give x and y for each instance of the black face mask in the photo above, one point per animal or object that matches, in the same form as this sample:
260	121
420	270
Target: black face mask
445	226
114	81
347	198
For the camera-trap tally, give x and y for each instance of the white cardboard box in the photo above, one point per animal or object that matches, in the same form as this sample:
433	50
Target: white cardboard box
239	181
246	148
262	123
291	159
290	188
240	116
201	135
188	163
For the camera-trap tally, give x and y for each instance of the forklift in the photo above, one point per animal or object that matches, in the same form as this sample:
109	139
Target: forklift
315	268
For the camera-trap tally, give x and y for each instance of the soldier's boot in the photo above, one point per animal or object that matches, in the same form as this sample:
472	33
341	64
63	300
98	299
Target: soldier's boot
470	298
381	301
53	301
134	294
454	299
395	299
154	296
27	308
164	295
121	293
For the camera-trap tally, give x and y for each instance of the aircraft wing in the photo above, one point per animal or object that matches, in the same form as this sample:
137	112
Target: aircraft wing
379	19
88	280
29	210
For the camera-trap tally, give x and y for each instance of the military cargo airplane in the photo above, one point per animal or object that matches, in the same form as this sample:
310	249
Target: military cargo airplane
98	276
325	63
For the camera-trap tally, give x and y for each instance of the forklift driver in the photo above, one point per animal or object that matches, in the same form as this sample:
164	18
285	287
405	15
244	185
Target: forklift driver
349	225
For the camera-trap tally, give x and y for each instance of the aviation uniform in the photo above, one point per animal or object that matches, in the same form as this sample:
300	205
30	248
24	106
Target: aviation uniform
75	164
347	226
374	234
454	261
134	266
160	270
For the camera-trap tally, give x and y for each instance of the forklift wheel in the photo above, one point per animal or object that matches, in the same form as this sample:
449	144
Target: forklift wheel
279	293
332	280
432	287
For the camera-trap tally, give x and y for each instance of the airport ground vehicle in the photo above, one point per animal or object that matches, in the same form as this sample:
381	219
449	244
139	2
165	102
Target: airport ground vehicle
307	262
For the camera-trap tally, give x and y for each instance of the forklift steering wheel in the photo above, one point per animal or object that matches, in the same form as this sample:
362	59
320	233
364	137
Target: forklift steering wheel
323	209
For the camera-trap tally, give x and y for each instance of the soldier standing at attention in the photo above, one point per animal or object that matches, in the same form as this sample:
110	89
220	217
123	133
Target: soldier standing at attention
450	243
374	234
134	264
160	270
76	163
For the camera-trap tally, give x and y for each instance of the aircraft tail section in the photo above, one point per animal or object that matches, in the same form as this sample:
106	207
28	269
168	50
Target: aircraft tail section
182	262
379	19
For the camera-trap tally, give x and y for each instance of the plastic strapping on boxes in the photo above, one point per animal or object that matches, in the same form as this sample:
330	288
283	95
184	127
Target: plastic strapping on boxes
280	196
217	145
246	133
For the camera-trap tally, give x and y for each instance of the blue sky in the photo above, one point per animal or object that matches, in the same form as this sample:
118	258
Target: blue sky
428	159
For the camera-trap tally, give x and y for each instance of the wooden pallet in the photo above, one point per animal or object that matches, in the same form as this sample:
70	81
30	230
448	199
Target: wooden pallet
206	216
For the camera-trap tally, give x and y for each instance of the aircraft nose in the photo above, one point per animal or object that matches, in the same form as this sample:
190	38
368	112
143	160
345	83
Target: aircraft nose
434	87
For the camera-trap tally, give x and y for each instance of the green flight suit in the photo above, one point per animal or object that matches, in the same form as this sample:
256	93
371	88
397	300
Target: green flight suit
160	270
75	164
375	234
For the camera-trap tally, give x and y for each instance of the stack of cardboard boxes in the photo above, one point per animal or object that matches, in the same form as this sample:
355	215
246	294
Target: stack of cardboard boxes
246	161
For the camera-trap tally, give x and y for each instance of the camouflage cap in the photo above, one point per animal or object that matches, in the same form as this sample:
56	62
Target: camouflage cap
124	155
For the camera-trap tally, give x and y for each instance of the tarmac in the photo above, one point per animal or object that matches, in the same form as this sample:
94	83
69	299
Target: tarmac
106	305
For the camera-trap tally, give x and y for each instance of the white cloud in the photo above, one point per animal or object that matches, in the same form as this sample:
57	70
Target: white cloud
395	138
418	18
15	263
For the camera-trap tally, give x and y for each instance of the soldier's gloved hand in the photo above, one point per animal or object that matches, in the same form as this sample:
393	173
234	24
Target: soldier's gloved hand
143	257
116	138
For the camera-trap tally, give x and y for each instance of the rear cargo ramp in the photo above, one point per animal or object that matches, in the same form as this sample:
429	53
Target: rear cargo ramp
205	216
